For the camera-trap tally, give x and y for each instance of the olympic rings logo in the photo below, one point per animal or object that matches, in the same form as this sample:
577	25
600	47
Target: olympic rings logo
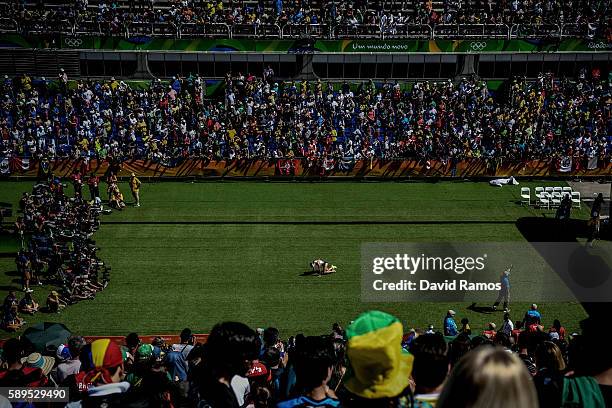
478	45
73	42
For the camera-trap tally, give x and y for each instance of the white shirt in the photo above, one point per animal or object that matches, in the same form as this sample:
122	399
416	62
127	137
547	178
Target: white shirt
241	387
508	327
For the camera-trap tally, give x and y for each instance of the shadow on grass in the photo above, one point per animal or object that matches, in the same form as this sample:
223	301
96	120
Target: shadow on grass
480	309
539	229
309	273
13	273
536	229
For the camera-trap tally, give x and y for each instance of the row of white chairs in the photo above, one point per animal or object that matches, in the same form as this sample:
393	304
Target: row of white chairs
549	196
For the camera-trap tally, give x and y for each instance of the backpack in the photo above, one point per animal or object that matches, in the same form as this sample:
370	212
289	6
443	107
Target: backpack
583	392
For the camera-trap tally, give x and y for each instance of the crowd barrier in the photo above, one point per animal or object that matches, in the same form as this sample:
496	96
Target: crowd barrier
148	339
305	168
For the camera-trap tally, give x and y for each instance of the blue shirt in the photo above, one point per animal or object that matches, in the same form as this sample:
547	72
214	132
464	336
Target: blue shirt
177	364
505	282
305	402
450	327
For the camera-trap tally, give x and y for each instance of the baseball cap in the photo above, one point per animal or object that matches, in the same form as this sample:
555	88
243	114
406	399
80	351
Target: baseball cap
259	371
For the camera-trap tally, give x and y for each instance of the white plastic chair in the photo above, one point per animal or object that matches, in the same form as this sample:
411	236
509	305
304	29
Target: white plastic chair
556	199
538	191
576	202
549	190
558	189
567	190
526	195
544	200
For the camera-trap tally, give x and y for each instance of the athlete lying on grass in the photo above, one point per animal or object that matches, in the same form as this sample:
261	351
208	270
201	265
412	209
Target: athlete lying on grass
321	267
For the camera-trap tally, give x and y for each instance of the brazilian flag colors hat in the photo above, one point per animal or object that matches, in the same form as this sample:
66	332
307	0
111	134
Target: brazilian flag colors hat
379	367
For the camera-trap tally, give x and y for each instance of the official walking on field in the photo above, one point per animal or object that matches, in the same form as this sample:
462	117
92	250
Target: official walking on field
504	292
135	187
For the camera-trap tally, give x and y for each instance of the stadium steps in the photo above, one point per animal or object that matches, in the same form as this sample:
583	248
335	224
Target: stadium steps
40	63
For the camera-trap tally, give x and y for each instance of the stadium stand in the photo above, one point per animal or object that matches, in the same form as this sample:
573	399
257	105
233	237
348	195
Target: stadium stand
254	117
342	19
371	363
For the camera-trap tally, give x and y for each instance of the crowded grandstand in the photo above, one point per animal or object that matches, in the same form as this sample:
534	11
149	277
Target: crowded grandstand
189	190
336	19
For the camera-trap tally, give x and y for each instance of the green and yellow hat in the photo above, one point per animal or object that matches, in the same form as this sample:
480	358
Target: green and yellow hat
378	366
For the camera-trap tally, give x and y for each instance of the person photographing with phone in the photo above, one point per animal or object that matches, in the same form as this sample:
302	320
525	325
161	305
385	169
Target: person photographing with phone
504	292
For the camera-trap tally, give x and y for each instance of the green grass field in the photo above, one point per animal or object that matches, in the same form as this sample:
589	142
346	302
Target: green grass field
195	254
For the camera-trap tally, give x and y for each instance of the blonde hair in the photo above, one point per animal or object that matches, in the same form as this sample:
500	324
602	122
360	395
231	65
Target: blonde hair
489	377
548	355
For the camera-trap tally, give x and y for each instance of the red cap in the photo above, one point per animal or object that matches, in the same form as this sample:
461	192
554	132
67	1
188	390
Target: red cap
259	370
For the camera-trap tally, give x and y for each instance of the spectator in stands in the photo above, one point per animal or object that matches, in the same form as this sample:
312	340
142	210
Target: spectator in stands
132	342
431	366
16	373
450	326
524	342
376	337
177	361
37	360
465	326
314	367
377	122
557	328
489	333
459	347
103	381
549	378
532	318
230	350
508	326
241	384
489	377
275	362
72	365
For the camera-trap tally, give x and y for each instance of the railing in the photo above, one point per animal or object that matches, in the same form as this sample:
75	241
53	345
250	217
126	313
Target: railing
358	31
535	31
579	30
205	30
8	25
268	30
471	31
307	30
288	31
87	27
170	30
243	30
421	31
139	29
